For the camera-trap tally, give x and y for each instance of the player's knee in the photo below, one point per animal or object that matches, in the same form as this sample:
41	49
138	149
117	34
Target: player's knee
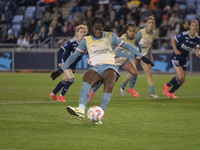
181	79
108	89
71	80
134	73
149	74
63	81
86	79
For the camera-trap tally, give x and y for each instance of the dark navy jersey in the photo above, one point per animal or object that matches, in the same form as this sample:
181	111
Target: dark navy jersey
186	43
66	50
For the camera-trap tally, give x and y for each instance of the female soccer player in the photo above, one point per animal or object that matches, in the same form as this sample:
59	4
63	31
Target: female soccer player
182	44
100	46
145	38
128	35
63	54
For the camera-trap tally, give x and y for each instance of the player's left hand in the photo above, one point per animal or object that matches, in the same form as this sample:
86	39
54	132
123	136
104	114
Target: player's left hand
56	74
147	61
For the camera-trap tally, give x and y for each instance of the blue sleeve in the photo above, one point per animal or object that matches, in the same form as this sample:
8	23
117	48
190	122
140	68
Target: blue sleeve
116	40
66	46
138	45
82	46
63	49
121	54
59	55
139	36
71	59
178	37
131	49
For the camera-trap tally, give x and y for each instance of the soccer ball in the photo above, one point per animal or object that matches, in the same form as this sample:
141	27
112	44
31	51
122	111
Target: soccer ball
95	113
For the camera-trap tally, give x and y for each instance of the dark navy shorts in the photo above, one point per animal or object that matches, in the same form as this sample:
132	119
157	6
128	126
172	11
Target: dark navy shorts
178	61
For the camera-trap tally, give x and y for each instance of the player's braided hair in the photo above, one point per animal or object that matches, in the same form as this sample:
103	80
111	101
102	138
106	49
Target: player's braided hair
98	21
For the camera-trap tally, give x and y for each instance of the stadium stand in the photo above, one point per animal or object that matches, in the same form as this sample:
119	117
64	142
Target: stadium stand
17	19
20	10
16	28
19	15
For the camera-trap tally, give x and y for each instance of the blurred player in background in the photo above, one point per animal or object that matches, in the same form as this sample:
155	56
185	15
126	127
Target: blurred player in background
145	38
182	44
123	59
100	46
64	52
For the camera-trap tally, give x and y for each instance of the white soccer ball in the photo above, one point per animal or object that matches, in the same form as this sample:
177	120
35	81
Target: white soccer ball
95	113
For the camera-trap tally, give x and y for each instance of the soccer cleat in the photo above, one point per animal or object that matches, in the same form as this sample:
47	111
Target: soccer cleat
98	122
91	95
122	92
153	95
79	112
54	97
171	95
61	98
133	92
165	89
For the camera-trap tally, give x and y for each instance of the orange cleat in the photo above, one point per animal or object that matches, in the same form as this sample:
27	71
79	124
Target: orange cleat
54	97
171	95
91	95
165	89
61	98
133	92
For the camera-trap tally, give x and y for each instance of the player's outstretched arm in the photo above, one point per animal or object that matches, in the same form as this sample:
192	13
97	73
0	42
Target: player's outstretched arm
67	63
131	49
121	54
135	51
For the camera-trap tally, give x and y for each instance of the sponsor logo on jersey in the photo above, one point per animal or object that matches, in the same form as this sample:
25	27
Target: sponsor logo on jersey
101	51
186	47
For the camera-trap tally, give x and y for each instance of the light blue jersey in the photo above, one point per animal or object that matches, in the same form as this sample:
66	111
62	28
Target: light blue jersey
145	37
97	47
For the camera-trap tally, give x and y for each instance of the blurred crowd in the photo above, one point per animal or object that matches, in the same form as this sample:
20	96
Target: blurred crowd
170	15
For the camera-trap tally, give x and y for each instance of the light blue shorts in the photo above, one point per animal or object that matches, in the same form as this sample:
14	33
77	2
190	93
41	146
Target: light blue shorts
100	69
127	61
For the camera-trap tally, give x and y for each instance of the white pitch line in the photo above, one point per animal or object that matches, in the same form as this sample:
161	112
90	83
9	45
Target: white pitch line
26	102
16	102
157	98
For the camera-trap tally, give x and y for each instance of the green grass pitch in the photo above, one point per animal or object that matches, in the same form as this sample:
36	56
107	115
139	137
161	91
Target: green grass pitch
30	120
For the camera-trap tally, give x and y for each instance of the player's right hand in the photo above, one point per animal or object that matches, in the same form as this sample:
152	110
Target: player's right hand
56	74
177	52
